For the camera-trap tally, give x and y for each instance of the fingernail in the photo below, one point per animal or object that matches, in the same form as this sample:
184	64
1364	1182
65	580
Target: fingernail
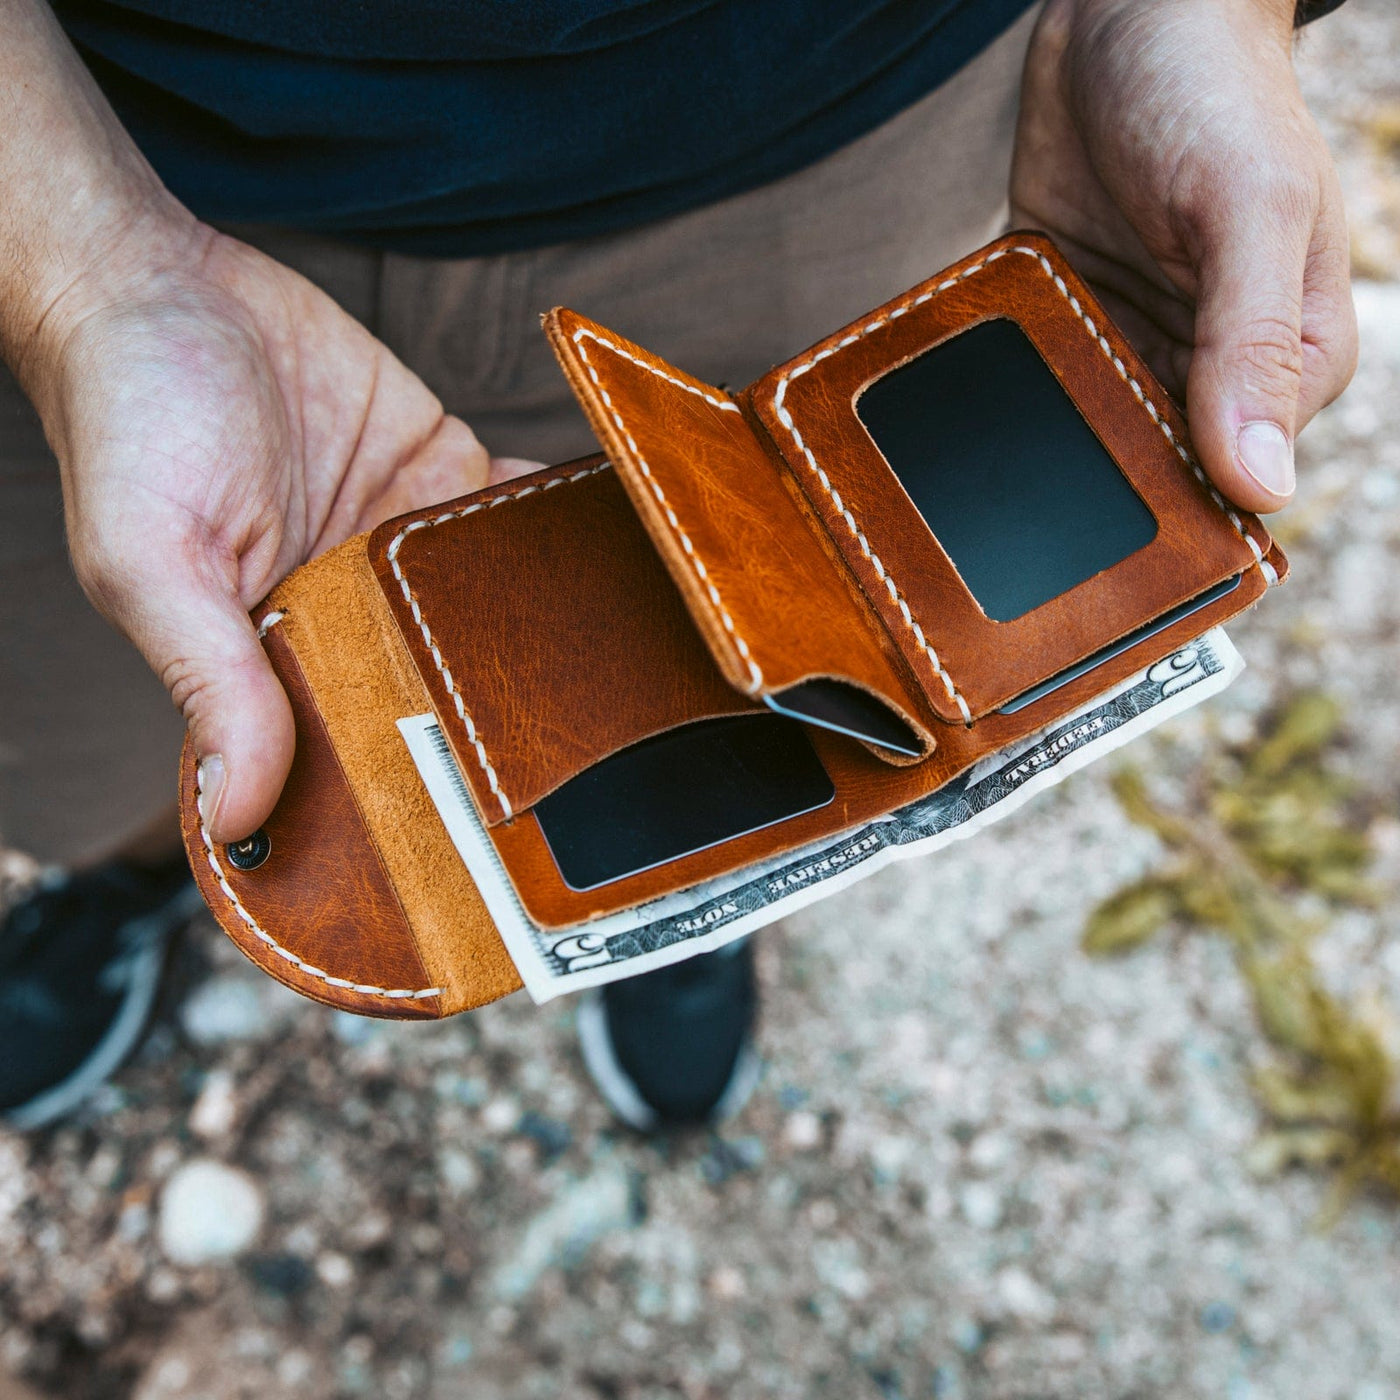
211	787
1266	453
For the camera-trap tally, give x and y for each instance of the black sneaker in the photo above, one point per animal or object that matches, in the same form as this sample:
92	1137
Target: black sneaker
675	1047
80	963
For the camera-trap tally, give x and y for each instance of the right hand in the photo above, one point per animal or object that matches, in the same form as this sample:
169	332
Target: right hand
218	421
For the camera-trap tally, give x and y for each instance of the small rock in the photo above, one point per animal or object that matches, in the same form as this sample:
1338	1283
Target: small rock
990	1151
163	1285
802	1131
209	1212
1217	1317
837	1264
350	1029
549	1135
226	1007
565	1229
500	1115
726	1156
295	1368
216	1109
458	1170
1023	1297
369	1230
283	1275
968	1335
981	1205
456	1350
1378	317
335	1270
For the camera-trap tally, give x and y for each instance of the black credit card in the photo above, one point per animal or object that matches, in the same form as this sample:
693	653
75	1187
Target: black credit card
846	709
679	792
1140	634
1007	474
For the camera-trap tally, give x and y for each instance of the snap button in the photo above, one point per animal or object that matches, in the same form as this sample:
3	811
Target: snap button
250	853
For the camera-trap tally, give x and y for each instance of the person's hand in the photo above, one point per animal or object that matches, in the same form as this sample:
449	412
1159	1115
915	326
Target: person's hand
218	421
1165	146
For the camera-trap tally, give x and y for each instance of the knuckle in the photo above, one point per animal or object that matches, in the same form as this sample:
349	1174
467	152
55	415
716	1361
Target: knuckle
187	686
1288	194
1271	355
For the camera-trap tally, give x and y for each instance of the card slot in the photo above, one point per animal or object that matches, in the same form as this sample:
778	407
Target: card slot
1106	654
679	793
547	632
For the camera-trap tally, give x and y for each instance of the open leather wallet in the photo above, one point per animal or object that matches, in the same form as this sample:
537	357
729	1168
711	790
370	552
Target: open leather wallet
754	621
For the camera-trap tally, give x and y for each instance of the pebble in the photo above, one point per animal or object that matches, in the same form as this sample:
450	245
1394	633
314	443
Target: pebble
216	1109
837	1264
335	1270
802	1131
501	1115
726	1283
209	1213
458	1171
981	1205
566	1228
227	1007
1023	1297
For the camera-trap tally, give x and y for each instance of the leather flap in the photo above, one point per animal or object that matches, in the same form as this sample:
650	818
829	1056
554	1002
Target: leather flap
968	663
546	630
766	587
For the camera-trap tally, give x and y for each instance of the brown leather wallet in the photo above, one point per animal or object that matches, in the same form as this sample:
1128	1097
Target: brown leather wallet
926	537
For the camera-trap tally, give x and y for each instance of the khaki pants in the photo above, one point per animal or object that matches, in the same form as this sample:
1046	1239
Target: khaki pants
88	740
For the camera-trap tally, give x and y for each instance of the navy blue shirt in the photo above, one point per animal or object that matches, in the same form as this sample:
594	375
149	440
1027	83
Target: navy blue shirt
458	127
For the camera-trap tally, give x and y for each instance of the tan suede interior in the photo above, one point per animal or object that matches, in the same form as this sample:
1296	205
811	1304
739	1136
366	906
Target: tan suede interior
355	662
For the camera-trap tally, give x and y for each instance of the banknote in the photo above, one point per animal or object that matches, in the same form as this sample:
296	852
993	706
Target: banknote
706	916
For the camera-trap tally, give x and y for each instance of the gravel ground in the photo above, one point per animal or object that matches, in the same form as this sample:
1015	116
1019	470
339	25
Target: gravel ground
978	1165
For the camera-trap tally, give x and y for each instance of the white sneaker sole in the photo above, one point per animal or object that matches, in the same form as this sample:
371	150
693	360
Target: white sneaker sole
142	971
621	1094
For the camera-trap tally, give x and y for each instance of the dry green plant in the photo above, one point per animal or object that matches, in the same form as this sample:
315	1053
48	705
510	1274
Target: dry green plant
1271	830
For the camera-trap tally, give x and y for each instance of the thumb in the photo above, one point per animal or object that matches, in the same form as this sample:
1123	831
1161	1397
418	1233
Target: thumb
1247	369
205	648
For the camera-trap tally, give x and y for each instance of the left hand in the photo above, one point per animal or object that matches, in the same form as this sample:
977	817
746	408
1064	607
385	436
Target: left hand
1165	145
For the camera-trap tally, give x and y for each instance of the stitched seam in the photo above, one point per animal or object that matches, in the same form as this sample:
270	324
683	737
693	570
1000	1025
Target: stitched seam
286	954
883	574
1153	412
698	564
785	418
450	685
269	622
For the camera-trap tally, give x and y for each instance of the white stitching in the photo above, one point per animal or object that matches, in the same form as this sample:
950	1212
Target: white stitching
268	623
755	674
286	954
392	554
728	405
1267	569
785	418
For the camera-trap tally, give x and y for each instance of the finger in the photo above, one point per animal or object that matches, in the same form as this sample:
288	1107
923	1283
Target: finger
508	468
1329	315
197	637
1247	370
